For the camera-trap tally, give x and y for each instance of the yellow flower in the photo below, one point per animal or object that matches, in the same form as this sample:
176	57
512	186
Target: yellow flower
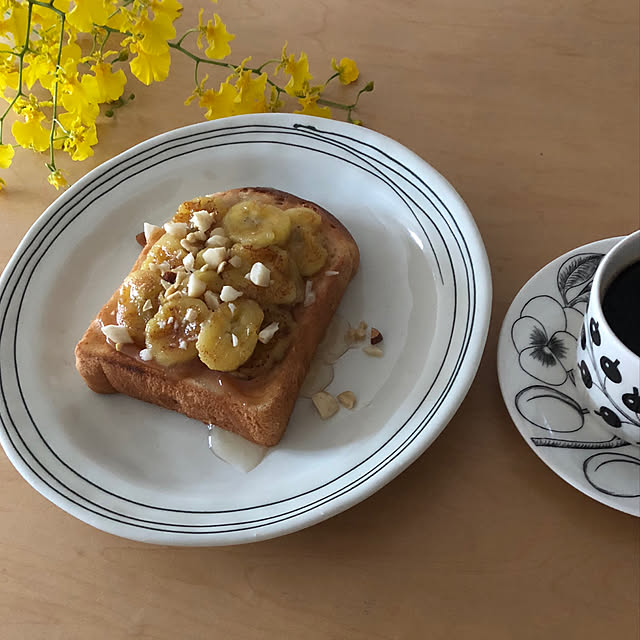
347	70
30	134
109	86
56	179
216	36
149	68
275	104
80	137
86	13
156	33
197	92
250	98
8	73
6	155
16	23
39	67
171	8
299	72
80	97
219	103
311	108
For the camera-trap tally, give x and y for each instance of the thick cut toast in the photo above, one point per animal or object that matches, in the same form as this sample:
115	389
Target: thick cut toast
255	401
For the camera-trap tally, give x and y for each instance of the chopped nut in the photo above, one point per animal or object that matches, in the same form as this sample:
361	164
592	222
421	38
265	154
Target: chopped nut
232	308
195	286
182	344
181	276
268	332
140	239
189	261
196	236
376	336
146	355
235	261
325	403
218	231
149	230
174	294
309	294
234	339
169	276
260	275
161	268
211	300
229	294
166	284
147	306
376	352
117	334
216	241
221	267
347	399
331	273
177	229
187	246
190	314
361	330
202	220
214	257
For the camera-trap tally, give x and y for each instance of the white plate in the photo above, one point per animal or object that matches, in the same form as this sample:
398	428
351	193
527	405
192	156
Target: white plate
147	474
542	397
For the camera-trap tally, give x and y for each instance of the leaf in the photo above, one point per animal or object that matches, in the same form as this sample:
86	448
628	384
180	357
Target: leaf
577	271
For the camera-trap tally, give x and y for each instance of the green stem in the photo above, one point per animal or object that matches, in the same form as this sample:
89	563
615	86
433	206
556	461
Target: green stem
54	116
185	34
264	64
21	55
195	72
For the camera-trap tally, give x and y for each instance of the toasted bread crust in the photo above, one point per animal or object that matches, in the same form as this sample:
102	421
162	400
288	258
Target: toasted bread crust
257	409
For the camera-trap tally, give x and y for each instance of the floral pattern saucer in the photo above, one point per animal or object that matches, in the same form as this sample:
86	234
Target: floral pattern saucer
537	373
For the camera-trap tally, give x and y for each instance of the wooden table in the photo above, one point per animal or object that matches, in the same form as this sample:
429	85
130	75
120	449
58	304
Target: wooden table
530	108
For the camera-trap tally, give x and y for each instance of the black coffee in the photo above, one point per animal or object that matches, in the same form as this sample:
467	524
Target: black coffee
621	307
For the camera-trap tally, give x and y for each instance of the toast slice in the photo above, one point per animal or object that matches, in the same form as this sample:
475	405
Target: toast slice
254	400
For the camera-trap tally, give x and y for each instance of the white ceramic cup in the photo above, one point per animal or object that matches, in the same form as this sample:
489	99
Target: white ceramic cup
609	371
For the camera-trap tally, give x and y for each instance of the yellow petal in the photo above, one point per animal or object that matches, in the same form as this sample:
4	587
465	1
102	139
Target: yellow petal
86	13
30	134
149	68
110	85
6	155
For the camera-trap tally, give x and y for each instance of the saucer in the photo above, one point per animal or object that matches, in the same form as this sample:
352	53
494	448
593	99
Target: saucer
537	371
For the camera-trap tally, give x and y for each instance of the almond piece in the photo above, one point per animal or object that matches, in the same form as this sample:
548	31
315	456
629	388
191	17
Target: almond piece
268	332
376	352
202	220
347	399
117	334
376	336
195	286
176	229
325	404
260	275
214	257
229	294
141	239
149	230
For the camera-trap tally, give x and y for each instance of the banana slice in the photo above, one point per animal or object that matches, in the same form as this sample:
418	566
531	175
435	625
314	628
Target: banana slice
307	250
304	217
172	332
166	249
229	336
267	355
257	224
285	283
138	302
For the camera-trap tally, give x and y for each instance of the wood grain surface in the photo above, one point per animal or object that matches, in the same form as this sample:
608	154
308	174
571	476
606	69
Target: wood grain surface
530	108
